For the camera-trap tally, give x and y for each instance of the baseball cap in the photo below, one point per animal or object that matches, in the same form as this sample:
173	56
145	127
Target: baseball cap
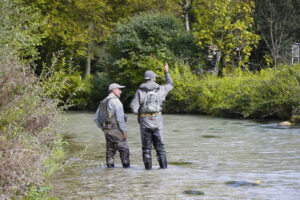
148	75
114	85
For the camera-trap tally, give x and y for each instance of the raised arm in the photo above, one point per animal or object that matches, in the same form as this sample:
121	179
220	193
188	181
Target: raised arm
169	80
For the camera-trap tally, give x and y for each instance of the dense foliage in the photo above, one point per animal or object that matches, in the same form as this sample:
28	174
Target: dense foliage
225	29
144	42
269	93
19	26
30	140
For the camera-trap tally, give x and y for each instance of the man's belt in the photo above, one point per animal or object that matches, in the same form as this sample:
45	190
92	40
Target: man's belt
149	114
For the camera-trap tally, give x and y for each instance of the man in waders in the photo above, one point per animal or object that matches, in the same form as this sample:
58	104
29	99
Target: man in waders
147	104
111	119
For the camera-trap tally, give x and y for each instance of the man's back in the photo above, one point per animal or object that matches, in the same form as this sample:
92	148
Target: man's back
161	90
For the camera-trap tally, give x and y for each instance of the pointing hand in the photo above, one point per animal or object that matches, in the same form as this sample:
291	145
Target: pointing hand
166	66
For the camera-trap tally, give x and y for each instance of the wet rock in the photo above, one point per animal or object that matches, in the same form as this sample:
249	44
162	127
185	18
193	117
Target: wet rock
179	163
240	183
210	136
193	192
85	188
74	160
285	123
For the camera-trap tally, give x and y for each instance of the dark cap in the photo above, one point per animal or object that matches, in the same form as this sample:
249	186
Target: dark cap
148	75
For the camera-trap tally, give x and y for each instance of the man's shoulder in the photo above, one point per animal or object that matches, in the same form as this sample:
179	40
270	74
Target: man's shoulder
115	100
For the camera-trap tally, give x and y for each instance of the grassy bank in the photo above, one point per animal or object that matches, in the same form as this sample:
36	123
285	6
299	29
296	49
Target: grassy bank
267	93
30	141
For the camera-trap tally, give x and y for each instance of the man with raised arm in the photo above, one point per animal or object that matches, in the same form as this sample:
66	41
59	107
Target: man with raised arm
147	103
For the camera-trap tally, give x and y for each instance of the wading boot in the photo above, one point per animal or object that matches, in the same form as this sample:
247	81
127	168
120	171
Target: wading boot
124	155
126	165
110	162
147	161
162	162
163	165
110	165
148	165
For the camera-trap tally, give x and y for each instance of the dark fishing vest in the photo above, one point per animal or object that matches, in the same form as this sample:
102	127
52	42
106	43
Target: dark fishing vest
111	123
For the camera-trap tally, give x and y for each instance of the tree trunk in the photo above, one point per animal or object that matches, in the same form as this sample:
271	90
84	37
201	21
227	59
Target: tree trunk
88	65
216	69
187	23
186	8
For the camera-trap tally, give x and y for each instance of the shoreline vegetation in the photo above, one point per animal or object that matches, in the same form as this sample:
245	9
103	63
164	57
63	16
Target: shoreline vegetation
30	140
62	55
265	94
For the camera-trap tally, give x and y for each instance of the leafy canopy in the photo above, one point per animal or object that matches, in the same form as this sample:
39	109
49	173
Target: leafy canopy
144	42
225	26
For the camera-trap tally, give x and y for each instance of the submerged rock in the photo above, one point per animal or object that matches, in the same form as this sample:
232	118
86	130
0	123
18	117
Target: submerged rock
193	192
240	183
179	163
74	160
210	136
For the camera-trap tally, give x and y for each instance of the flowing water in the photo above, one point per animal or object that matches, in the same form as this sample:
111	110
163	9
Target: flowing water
208	158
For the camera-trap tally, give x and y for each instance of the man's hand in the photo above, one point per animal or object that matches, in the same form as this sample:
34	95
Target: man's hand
125	135
166	66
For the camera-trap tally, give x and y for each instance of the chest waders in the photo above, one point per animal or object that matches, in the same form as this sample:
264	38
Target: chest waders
151	131
115	142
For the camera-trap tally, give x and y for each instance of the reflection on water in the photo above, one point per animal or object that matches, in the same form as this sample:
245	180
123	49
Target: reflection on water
204	154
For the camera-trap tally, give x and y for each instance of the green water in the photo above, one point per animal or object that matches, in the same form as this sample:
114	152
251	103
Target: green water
204	154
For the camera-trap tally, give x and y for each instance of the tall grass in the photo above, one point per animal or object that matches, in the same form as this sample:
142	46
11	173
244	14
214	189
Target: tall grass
30	138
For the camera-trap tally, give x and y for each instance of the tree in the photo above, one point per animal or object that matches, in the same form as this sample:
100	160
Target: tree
78	26
19	29
224	27
72	26
144	42
278	24
92	15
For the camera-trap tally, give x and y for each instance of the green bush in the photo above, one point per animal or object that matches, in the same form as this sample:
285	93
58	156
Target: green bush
144	42
264	94
93	89
184	96
160	35
19	28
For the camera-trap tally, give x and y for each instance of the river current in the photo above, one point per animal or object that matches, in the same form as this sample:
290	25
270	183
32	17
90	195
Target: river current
208	158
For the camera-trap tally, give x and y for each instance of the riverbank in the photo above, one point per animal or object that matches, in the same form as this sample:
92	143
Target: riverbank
30	140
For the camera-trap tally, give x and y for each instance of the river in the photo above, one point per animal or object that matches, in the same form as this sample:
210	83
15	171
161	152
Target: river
208	158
